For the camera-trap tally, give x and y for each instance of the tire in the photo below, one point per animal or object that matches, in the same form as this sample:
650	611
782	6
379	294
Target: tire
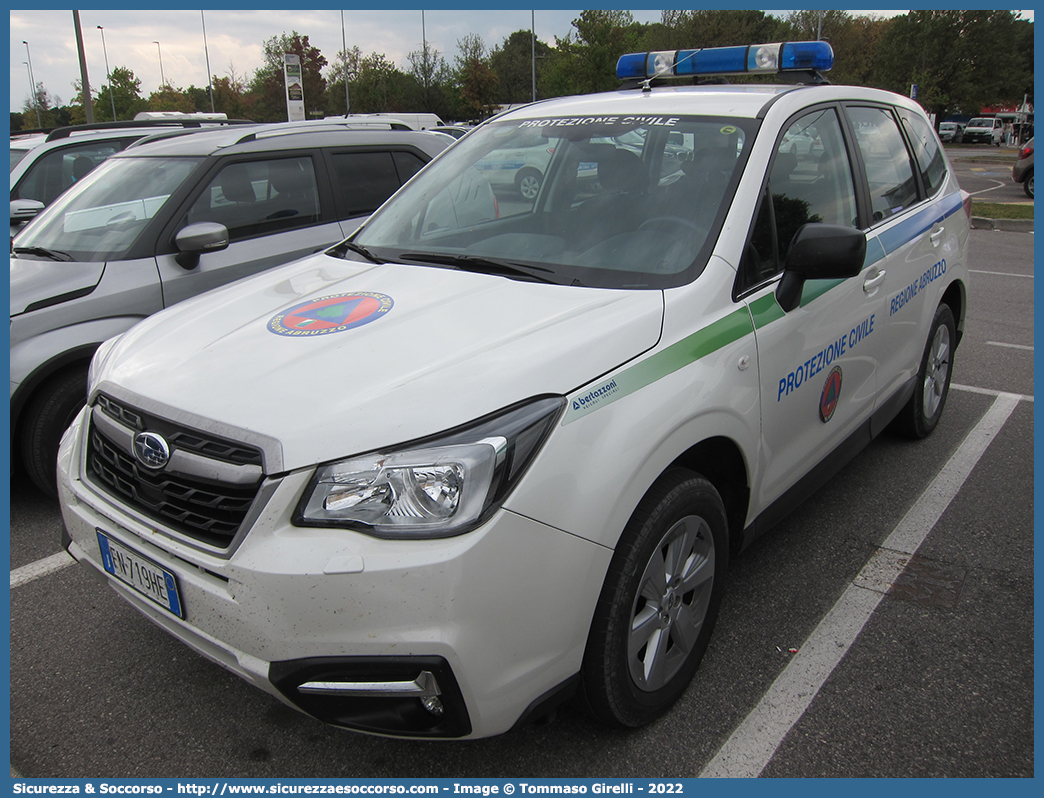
527	182
49	413
1027	185
922	413
658	604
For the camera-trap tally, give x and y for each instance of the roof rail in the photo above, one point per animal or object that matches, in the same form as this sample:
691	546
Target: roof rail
289	128
68	130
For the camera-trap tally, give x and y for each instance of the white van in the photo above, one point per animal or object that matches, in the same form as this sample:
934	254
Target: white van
985	130
415	121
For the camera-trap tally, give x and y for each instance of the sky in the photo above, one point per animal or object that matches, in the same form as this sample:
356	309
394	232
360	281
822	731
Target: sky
234	40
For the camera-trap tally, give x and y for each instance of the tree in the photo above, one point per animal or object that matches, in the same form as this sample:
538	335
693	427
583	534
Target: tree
379	87
705	28
123	91
167	98
960	60
432	81
513	64
854	41
476	82
587	62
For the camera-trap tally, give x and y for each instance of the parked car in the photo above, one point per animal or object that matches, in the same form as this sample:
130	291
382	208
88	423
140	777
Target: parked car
1022	171
45	164
167	218
984	130
951	132
440	478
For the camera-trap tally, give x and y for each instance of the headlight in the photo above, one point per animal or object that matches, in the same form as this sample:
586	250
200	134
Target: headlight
439	487
101	355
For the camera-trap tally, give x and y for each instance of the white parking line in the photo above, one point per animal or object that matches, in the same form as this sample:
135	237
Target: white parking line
34	570
1001	274
1022	397
756	740
1010	346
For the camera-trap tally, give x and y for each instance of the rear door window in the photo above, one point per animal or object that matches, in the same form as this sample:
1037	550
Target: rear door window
366	179
926	148
889	172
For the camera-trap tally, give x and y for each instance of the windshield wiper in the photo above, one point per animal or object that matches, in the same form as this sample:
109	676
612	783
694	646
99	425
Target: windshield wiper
358	250
473	263
43	252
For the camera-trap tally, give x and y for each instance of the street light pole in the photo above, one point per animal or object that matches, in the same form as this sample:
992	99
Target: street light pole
108	74
163	82
32	80
206	51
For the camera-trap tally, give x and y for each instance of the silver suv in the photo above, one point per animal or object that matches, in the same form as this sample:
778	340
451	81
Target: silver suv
171	216
46	163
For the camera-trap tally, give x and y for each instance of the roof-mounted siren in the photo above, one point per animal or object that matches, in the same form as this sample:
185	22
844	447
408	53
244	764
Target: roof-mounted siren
806	60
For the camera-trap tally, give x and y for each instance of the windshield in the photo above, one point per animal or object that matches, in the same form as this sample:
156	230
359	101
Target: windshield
981	123
100	217
615	202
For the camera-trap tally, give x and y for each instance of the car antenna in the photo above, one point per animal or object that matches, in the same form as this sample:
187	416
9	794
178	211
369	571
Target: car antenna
663	70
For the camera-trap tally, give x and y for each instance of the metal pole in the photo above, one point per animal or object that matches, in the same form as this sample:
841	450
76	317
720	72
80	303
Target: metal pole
210	87
532	30
108	74
32	80
85	88
344	53
159	52
424	50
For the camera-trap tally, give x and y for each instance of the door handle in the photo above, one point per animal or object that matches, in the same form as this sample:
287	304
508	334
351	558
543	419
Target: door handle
872	283
936	237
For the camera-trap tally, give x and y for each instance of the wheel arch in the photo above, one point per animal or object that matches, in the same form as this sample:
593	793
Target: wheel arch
955	296
721	462
53	354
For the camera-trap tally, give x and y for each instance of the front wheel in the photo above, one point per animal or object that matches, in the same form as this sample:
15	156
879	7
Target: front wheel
658	604
922	413
47	416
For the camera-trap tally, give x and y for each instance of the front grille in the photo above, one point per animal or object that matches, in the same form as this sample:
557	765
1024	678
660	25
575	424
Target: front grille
203	509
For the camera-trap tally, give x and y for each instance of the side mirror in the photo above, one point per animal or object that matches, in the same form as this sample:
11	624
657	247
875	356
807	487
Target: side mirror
819	252
22	210
196	239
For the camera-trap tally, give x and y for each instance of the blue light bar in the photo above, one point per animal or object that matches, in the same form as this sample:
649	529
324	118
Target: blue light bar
757	59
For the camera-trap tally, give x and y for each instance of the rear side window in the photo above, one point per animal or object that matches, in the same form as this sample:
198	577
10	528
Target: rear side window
927	151
254	198
887	161
367	179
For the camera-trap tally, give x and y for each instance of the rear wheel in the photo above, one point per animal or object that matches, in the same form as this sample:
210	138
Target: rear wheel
47	416
921	414
658	604
1027	185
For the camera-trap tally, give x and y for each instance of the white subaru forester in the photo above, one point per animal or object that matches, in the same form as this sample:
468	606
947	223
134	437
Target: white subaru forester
440	478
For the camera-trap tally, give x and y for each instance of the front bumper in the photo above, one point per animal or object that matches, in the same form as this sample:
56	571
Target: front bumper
498	616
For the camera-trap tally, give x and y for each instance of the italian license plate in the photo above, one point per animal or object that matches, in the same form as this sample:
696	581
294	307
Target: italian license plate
141	573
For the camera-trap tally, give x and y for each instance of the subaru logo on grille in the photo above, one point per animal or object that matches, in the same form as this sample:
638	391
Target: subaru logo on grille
151	450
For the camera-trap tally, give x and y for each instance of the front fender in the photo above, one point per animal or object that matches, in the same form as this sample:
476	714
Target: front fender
596	467
35	359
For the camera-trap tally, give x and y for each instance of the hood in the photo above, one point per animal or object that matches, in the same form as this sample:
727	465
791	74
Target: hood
334	358
47	281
